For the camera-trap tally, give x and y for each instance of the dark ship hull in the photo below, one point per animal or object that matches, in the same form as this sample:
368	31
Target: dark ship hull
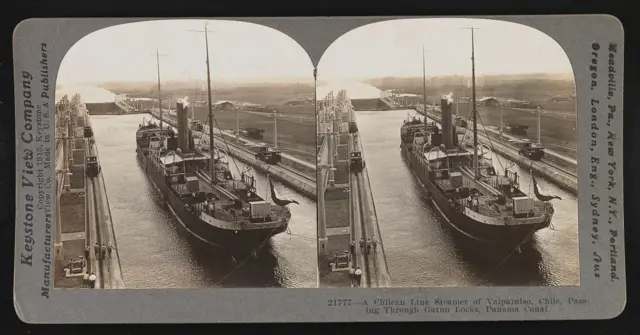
230	239
497	236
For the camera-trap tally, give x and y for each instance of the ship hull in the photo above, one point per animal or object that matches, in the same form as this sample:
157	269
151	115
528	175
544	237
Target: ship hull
230	239
498	236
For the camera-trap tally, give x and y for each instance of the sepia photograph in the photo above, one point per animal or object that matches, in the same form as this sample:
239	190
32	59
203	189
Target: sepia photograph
448	154
185	158
274	165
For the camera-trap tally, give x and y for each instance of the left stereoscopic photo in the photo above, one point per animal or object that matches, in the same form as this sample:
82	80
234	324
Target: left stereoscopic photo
185	158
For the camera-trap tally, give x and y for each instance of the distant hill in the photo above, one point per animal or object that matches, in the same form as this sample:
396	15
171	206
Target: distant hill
90	94
190	83
266	93
536	86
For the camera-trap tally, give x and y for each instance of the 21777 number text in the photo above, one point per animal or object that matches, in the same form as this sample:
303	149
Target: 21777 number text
339	302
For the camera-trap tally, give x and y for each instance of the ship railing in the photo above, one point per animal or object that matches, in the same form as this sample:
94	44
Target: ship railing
513	176
438	173
479	208
249	181
493	182
227	216
233	186
278	213
540	208
180	189
468	184
456	164
467	203
486	210
220	212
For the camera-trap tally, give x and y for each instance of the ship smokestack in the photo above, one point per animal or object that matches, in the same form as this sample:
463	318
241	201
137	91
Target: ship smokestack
183	127
447	121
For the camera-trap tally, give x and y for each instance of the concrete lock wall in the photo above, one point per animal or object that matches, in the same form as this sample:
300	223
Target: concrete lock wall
570	184
274	171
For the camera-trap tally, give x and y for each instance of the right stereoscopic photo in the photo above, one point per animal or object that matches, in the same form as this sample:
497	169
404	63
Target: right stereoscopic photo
447	154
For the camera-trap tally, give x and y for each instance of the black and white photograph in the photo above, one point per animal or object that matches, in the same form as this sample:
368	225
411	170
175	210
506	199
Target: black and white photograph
448	149
263	169
185	158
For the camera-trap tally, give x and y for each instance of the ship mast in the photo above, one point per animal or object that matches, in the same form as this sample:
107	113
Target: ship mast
159	94
473	110
424	91
211	144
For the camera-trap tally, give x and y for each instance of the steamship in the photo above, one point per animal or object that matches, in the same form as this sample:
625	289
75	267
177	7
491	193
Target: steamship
463	185
202	193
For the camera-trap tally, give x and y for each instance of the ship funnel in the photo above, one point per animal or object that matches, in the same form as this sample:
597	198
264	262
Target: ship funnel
183	127
447	121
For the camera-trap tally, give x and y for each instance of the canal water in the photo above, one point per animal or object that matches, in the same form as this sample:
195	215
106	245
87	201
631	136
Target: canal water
157	252
422	250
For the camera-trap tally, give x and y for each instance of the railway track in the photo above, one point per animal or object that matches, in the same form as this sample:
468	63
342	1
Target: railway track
92	235
546	141
100	240
559	168
297	173
93	226
296	147
99	235
357	224
360	229
281	165
285	147
548	163
544	161
556	143
367	232
281	145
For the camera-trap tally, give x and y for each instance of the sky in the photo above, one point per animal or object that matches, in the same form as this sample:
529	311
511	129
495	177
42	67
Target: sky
238	50
394	48
355	89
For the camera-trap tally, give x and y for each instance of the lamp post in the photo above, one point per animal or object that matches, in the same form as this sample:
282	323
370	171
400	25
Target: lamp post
501	124
538	110
275	114
237	124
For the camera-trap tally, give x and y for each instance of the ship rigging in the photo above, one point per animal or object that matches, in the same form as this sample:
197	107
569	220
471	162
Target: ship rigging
464	186
200	190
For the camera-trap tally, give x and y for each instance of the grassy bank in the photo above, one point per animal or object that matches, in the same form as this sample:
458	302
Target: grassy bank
296	128
558	130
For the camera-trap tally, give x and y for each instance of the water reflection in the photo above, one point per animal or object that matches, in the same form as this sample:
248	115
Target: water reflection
500	269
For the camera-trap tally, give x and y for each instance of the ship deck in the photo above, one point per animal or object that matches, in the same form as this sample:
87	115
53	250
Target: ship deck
223	209
487	204
205	186
488	207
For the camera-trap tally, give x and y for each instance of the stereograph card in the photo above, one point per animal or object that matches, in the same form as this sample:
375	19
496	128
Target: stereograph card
319	169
